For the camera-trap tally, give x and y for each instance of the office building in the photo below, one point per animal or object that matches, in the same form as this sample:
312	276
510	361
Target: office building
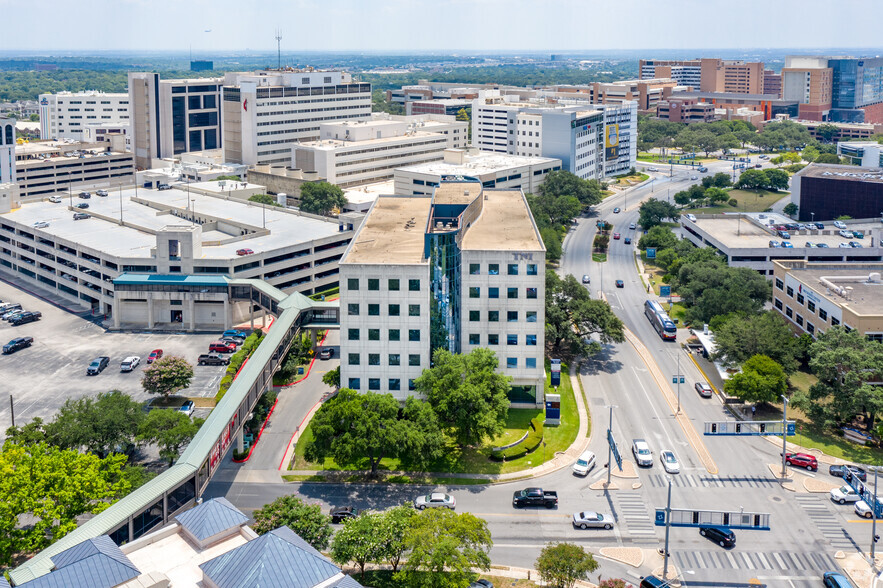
707	74
772	83
593	141
459	270
811	88
686	110
7	150
63	115
771	106
170	117
492	170
201	65
179	240
861	153
425	90
813	297
826	191
684	72
448	106
103	132
266	113
855	85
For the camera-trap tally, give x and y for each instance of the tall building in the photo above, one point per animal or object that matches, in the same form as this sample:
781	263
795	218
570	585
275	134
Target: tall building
593	141
708	74
460	270
855	85
7	150
268	112
63	115
772	83
170	117
685	72
810	84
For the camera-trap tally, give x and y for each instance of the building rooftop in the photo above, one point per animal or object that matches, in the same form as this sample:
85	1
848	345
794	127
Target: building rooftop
476	163
505	224
332	144
392	233
744	234
215	516
861	295
848	173
368	192
97	563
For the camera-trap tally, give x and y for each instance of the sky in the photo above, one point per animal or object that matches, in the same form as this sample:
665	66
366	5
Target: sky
436	25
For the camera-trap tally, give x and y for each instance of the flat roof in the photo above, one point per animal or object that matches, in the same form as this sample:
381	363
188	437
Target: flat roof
392	233
734	234
368	192
171	280
865	298
456	192
848	173
505	224
332	144
478	163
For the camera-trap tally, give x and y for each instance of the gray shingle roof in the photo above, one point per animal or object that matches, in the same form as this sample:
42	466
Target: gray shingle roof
275	560
210	518
94	563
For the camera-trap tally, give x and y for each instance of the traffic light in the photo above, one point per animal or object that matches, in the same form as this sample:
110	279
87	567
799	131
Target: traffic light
763	427
714	427
738	427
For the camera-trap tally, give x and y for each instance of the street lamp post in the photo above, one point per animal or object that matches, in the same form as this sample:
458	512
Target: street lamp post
813	216
874	519
667	529
677	378
784	435
610	447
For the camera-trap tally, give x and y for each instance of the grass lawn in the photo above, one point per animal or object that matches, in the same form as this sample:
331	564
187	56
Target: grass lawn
599	257
631	180
383	579
749	201
477	460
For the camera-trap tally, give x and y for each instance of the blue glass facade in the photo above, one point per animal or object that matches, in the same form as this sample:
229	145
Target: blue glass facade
856	83
444	276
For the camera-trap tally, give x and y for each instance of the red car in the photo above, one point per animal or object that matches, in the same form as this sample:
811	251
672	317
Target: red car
244	252
616	235
802	460
221	347
154	355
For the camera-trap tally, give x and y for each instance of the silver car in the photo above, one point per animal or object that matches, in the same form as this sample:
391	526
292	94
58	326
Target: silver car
592	519
670	462
435	500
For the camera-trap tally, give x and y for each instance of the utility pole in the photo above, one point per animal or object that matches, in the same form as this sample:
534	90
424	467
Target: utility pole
873	519
679	384
784	435
609	446
279	49
667	529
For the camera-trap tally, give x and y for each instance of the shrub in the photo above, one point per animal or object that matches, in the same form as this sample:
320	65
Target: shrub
248	346
239	455
733	202
529	444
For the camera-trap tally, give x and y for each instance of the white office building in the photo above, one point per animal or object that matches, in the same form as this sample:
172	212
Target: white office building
861	153
593	141
65	114
460	270
266	113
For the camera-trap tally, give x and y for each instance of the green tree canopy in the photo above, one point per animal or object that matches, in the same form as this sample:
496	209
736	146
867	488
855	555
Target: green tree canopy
828	158
562	564
761	380
753	179
332	378
467	393
264	199
716	195
827	132
304	519
563	183
573	317
462	115
743	336
321	198
790	209
169	430
167	375
658	237
777	179
100	425
231	178
711	288
653	212
359	541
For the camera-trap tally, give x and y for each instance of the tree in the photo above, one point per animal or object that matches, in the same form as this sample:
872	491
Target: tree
30	434
394	531
716	195
790	209
653	212
100	425
721	180
444	547
562	564
573	317
352	427
50	488
359	541
683	198
321	198
828	158
658	237
169	430
462	115
740	337
563	183
332	378
711	288
263	199
827	132
304	519
167	375
761	380
467	393
229	178
752	179
810	153
777	179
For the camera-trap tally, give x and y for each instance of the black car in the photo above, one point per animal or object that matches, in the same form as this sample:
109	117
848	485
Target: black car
81	205
97	366
481	583
343	513
723	536
26	317
85	195
16	344
847	471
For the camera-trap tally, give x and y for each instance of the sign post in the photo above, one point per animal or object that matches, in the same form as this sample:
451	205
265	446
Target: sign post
667	530
678	379
784	435
556	372
612	449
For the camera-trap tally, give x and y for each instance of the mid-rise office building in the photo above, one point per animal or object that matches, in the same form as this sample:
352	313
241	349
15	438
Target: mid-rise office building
827	191
425	90
7	150
593	141
687	110
771	106
810	87
103	132
845	131
687	72
448	106
772	83
460	270
170	117
855	85
708	74
266	113
861	153
65	114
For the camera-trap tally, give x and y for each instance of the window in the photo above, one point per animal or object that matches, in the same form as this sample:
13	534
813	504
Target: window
373	310
512	362
474	316
352	309
353	334
474	269
511	339
373	383
531	316
530	363
789	291
531	269
393	285
811	306
411	385
778	304
373	334
532	293
395	335
493	292
394	310
834	321
512	316
395	384
780	284
512	269
799	298
413	360
355	384
788	312
352	284
395	359
823	314
413	334
512	292
373	284
493	269
799	320
493	316
493	339
413	310
474	339
353	359
810	328
373	359
474	292
414	285
530	339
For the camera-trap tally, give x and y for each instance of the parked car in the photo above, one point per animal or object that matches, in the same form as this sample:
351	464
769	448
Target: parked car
84	195
26	317
535	497
620	284
342	513
81	215
326	353
12	314
234	333
792	226
130	363
435	500
844	246
858	234
784	234
244	251
840	224
55	199
221	347
846	234
844	494
848	471
774	243
590	518
163	186
822	245
616	210
212	359
802	460
855	244
586	279
154	355
863	509
81	205
16	344
584	464
819	226
97	366
787	245
235	341
102	193
691	217
809	244
642	453
616	236
703	389
481	583
723	536
186	408
40	225
9	306
669	462
836	580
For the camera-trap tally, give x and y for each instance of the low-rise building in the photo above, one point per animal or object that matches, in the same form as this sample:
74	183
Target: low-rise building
460	270
446	106
104	131
687	110
861	153
824	191
770	105
846	131
813	297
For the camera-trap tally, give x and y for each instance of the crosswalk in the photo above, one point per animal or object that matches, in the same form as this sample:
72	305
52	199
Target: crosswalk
706	481
780	561
632	511
826	522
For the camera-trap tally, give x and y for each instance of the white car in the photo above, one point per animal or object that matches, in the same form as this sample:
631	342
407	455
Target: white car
584	464
653	169
55	199
670	462
435	500
691	217
130	363
41	225
642	453
862	509
840	224
844	494
847	234
694	178
589	518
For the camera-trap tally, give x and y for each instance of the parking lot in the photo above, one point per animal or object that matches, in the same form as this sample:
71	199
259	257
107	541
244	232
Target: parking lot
41	377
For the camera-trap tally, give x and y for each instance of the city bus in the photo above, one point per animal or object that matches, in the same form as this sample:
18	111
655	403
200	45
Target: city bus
660	321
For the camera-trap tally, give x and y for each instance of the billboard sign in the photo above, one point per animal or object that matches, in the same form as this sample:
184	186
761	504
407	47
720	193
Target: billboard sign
611	141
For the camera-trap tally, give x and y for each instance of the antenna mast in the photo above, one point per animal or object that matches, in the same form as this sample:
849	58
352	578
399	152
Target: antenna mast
279	49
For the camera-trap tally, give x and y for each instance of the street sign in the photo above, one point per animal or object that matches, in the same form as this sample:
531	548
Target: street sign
674	379
665	291
615	449
756	428
651	253
681	517
556	372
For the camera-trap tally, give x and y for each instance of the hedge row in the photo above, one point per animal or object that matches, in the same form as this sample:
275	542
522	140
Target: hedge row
248	346
530	443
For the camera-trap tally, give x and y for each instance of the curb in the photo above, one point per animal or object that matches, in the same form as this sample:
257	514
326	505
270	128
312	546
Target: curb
309	368
261	432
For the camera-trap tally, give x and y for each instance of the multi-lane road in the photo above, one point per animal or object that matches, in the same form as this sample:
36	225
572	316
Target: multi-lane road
806	529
